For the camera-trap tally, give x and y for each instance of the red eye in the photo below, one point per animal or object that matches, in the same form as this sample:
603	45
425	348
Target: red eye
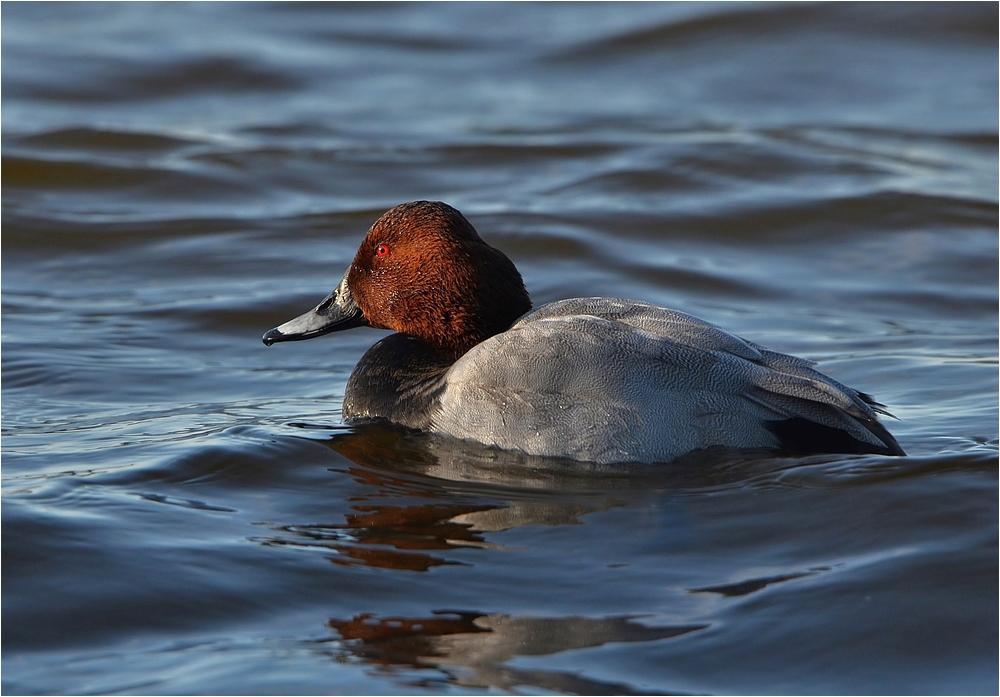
382	250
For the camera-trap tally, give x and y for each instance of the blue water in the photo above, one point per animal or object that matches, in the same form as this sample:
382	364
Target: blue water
182	509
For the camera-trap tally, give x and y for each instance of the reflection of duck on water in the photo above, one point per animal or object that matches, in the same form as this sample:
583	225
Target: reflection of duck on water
407	514
472	648
399	538
416	503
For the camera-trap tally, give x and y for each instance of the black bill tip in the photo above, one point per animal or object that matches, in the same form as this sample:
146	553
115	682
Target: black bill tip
271	337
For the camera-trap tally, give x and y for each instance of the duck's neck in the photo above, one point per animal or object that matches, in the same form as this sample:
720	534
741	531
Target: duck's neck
397	380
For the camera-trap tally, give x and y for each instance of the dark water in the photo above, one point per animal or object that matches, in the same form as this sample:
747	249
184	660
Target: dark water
183	513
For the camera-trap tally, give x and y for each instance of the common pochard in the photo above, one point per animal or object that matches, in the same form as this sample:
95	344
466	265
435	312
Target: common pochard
597	379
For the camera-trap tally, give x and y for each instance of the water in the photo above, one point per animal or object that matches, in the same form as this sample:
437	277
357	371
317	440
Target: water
184	513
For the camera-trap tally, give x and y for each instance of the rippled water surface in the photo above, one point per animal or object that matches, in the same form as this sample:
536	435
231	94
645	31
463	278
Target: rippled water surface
183	511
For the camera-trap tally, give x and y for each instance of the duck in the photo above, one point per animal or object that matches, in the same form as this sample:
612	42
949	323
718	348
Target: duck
603	380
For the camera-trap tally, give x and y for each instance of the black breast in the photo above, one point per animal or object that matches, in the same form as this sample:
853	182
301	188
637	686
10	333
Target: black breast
398	380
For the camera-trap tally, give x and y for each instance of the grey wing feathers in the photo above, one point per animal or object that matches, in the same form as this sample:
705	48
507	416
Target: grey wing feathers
782	384
677	326
796	378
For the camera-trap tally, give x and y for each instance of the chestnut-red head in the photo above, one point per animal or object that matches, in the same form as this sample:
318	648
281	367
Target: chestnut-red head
422	270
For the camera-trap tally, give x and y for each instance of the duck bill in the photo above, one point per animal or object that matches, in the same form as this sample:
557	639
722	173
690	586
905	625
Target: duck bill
337	312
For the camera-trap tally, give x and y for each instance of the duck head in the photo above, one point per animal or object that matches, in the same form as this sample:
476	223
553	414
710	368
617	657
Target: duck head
421	270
